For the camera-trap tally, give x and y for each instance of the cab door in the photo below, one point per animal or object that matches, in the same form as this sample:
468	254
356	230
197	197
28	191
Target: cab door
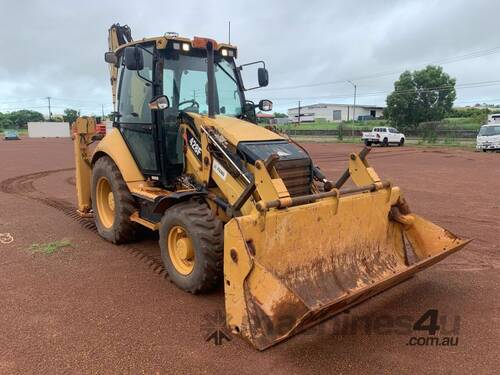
134	115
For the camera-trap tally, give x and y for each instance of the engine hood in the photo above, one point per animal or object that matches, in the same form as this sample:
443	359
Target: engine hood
236	130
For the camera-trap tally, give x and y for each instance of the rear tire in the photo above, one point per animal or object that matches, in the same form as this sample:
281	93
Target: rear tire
401	142
112	203
192	247
368	143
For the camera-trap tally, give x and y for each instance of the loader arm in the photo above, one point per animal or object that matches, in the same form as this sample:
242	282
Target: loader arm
295	261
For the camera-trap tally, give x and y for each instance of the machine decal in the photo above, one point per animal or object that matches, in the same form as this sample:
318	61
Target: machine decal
219	169
194	144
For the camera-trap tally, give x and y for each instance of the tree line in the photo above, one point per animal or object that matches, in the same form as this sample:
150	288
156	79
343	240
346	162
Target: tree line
20	119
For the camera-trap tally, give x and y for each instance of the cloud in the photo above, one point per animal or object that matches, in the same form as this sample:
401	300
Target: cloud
55	48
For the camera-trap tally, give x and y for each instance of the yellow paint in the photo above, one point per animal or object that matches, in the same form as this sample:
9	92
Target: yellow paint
236	130
145	223
105	203
181	250
115	147
83	130
361	172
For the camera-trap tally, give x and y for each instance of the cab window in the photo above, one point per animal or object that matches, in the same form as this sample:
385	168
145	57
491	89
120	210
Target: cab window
136	92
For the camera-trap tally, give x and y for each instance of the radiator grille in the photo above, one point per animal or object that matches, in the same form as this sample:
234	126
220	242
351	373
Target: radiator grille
297	175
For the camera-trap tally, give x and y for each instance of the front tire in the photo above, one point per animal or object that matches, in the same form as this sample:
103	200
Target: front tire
385	142
401	142
191	243
112	203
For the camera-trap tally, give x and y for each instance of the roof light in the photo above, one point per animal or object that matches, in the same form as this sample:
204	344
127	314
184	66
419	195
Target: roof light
231	53
185	47
202	43
177	46
223	52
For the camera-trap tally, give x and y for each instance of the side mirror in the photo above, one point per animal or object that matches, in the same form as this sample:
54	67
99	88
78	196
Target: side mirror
265	105
133	58
159	103
263	77
110	58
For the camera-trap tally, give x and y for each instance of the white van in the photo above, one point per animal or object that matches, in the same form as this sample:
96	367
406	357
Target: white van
488	138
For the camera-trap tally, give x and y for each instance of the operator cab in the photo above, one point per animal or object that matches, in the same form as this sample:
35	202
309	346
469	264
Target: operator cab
198	76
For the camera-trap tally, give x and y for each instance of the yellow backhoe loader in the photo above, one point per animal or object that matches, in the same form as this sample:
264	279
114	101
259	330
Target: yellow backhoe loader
236	203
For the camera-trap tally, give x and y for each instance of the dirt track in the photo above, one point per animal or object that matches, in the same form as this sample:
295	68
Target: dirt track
99	308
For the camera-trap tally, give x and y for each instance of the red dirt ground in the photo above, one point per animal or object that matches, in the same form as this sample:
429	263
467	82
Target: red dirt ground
96	308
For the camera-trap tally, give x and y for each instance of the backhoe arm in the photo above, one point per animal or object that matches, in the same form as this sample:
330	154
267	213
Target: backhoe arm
117	36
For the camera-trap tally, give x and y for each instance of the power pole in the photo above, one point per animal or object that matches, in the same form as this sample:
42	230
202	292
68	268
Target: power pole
229	33
102	109
353	108
50	113
299	114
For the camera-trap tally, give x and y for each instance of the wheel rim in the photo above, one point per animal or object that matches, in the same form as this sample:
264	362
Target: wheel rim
180	250
105	200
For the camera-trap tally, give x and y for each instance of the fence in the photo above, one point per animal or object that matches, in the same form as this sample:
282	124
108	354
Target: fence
440	133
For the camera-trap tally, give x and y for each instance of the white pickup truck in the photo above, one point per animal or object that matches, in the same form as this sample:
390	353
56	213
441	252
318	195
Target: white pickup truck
383	136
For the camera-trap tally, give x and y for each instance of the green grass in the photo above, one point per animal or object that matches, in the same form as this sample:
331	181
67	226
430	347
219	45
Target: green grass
460	123
324	125
50	247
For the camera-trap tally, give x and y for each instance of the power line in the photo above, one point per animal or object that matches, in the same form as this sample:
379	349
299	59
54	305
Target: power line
379	93
96	108
448	60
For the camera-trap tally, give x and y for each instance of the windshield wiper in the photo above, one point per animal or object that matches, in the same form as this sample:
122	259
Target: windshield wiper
225	71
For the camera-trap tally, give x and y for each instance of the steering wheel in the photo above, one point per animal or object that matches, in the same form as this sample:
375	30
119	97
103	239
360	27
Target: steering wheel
193	102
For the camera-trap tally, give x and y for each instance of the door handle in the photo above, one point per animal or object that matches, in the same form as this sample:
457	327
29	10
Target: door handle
147	127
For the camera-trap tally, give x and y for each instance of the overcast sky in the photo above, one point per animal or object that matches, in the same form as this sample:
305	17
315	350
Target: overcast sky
55	48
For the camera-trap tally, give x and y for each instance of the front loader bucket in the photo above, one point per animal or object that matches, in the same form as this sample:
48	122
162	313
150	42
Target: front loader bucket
288	269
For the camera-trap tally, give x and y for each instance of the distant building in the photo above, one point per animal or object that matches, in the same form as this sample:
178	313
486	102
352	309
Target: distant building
280	121
48	129
334	112
265	118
